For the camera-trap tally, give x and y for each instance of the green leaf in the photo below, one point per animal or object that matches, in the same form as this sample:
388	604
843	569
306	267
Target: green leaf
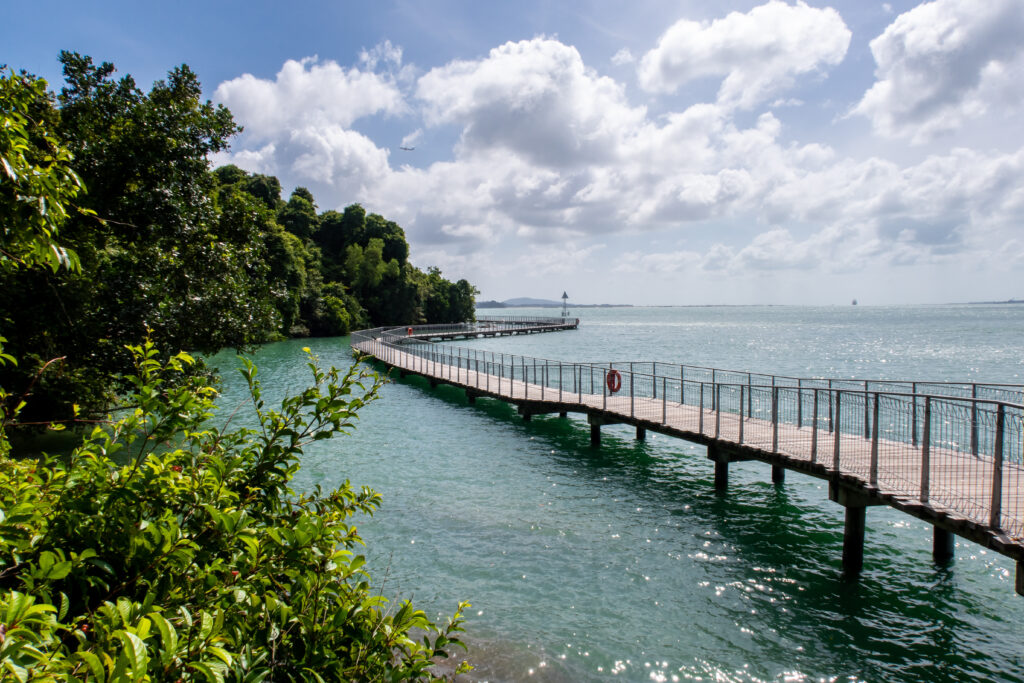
221	654
168	636
94	664
20	673
135	648
212	673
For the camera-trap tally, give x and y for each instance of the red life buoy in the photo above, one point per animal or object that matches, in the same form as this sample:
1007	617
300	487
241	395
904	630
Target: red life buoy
614	381
409	331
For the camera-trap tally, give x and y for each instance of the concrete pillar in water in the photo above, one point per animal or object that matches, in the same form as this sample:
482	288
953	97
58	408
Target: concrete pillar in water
778	474
1020	577
721	475
596	421
853	539
942	546
470	397
856	504
641	433
722	457
563	414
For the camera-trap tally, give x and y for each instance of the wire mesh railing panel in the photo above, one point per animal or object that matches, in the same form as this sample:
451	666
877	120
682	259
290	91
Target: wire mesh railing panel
896	467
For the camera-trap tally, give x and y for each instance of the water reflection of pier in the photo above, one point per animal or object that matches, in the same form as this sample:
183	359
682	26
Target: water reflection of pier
948	453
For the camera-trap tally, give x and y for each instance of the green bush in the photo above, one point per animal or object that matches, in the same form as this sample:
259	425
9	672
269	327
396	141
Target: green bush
166	549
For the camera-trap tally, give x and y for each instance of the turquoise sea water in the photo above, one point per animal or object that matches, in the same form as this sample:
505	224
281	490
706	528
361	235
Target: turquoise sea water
622	562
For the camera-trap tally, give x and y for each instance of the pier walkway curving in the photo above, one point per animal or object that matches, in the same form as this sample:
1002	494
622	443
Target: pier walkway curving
948	453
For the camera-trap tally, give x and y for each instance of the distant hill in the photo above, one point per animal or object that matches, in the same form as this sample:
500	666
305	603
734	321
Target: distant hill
533	303
527	302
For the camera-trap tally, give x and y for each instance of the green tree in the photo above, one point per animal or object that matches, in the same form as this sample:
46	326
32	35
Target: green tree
266	188
298	216
165	260
339	231
391	234
39	186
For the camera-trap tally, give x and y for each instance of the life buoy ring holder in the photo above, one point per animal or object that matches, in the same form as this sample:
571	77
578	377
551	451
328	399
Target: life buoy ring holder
613	381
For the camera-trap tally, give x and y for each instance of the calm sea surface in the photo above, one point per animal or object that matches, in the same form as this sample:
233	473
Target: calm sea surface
621	562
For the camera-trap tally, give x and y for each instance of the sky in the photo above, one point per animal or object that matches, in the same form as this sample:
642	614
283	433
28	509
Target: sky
644	152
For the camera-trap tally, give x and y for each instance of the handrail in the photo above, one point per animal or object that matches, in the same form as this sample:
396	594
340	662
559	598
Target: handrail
876	430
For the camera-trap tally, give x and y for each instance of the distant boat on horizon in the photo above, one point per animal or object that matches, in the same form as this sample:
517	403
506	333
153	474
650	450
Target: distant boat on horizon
854	303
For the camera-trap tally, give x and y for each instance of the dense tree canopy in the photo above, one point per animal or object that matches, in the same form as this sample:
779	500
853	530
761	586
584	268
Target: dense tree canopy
191	257
38	182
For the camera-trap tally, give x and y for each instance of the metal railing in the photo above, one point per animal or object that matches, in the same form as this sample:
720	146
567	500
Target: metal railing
957	447
485	325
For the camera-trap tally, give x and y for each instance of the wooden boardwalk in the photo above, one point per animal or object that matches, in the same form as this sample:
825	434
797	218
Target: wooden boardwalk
859	441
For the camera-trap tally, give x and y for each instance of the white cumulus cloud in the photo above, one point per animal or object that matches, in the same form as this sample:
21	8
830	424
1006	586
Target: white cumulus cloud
535	98
943	63
299	124
759	53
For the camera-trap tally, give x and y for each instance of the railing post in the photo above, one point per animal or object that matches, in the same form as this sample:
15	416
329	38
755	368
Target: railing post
526	384
926	443
837	430
700	427
995	520
580	385
714	383
632	411
814	427
682	385
717	399
799	403
867	413
559	381
664	403
831	418
974	419
775	418
913	413
741	411
604	390
873	474
750	394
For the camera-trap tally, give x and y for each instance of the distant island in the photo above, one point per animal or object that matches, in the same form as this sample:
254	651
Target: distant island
1008	301
527	302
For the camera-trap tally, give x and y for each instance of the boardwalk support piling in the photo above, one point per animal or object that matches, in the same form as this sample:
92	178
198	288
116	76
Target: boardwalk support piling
1020	577
722	457
596	421
853	539
641	434
856	504
942	546
721	475
778	474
